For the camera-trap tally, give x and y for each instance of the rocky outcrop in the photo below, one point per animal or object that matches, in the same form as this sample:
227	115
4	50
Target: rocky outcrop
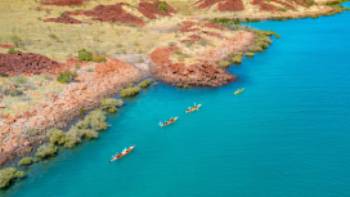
221	5
62	2
179	74
155	9
27	63
194	62
18	134
64	18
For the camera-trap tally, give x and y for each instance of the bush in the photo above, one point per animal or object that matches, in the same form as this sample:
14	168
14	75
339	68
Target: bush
8	175
129	92
163	6
56	137
250	54
17	41
111	104
97	120
19	80
88	134
262	41
85	55
72	138
98	58
145	83
86	129
237	58
224	64
46	151
26	161
12	51
66	77
227	22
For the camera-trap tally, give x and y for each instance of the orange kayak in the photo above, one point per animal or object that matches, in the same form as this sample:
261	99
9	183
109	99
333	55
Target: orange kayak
195	107
168	122
122	154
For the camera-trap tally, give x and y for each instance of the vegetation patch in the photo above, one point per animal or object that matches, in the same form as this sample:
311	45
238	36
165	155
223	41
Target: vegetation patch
87	128
145	83
163	7
57	136
130	92
12	51
111	105
87	56
9	175
26	161
46	151
66	77
250	54
72	138
237	58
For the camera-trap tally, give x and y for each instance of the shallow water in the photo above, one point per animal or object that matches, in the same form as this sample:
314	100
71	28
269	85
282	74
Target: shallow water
287	135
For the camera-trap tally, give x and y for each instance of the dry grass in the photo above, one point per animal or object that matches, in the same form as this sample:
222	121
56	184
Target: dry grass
35	89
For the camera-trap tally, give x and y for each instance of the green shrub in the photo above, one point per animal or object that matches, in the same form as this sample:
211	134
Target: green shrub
98	58
262	41
66	77
163	6
86	128
250	54
9	175
46	151
17	41
85	55
110	105
145	83
72	138
12	51
26	161
224	64
19	80
227	22
237	58
56	136
83	124
97	120
129	92
88	134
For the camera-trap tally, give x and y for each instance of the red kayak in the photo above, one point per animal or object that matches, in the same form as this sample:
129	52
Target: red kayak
122	154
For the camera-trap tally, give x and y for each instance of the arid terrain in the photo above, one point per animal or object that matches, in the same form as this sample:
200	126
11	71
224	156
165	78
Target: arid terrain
110	44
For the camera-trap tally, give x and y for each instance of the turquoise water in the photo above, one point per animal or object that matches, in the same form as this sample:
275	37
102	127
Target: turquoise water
287	135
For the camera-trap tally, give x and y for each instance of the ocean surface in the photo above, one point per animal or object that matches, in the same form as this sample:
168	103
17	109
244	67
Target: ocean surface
287	135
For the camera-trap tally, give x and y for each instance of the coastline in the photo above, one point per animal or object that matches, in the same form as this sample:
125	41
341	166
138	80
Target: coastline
109	77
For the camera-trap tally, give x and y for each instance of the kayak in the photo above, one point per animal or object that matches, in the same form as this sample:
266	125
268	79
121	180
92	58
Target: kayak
168	122
122	154
239	91
193	108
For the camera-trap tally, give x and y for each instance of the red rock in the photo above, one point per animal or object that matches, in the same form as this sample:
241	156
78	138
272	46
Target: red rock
113	13
27	63
150	9
7	46
64	18
62	2
222	5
